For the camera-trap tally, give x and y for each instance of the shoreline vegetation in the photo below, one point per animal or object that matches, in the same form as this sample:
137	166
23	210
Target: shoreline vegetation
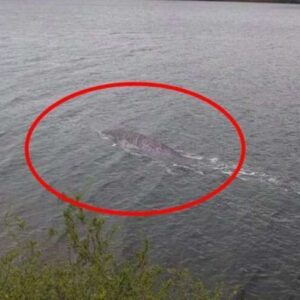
90	269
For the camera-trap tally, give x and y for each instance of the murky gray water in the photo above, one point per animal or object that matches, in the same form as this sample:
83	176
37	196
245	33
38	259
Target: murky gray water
244	56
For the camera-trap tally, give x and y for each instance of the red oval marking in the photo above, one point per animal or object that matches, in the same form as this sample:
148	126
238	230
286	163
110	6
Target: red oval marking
135	213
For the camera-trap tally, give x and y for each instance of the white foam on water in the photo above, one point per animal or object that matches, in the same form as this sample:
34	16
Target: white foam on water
245	173
101	135
272	180
197	157
248	173
170	171
214	159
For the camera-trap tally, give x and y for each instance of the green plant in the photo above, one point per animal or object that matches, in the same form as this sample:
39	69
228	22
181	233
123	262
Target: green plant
91	270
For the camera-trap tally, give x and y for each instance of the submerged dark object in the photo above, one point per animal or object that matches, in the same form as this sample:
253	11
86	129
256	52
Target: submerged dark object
140	141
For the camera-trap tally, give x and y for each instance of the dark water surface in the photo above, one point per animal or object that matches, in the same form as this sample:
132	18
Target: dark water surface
245	56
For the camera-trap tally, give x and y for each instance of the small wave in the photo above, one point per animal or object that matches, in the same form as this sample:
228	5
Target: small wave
195	170
197	157
214	159
248	173
244	174
272	179
101	135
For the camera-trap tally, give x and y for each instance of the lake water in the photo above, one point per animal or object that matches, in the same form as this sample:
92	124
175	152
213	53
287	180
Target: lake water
245	56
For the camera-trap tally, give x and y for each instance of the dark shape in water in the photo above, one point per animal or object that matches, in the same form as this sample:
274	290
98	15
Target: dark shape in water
143	144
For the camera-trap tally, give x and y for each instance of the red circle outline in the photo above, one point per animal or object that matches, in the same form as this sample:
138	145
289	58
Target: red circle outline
137	213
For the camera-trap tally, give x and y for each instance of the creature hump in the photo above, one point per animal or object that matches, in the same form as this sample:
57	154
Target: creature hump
140	141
